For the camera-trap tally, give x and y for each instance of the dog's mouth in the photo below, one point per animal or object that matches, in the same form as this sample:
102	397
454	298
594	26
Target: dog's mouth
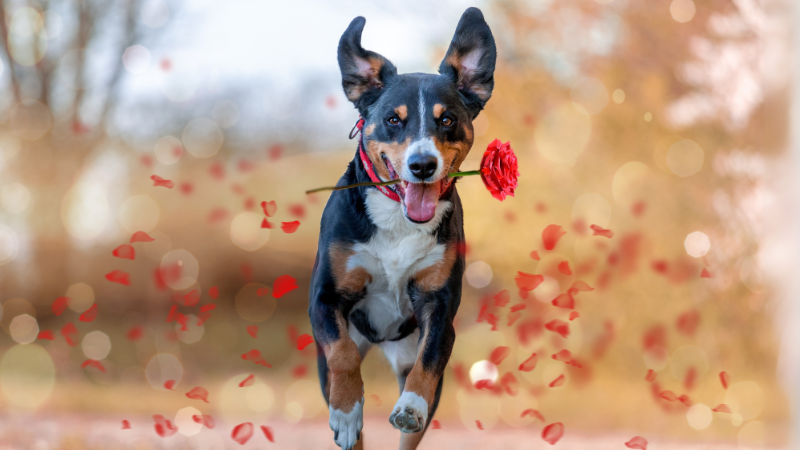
419	199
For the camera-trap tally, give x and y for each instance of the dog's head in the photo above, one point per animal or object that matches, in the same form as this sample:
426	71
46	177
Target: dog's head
418	127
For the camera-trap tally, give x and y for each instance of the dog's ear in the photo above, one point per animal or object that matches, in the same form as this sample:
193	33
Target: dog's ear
470	60
364	73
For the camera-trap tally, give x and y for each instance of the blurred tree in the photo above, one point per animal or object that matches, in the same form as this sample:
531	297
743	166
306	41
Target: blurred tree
65	65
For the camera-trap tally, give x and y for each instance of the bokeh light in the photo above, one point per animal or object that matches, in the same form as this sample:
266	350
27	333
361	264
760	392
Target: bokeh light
85	210
193	332
682	10
13	308
24	329
181	268
476	407
478	274
685	158
27	376
591	209
254	303
699	416
589	95
81	297
186	425
745	398
9	245
246	231
138	213
136	59
202	138
562	134
631	184
96	345
697	244
15	197
161	368
483	370
155	13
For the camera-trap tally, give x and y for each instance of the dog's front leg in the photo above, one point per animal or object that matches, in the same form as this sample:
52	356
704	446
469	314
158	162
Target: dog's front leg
420	396
345	389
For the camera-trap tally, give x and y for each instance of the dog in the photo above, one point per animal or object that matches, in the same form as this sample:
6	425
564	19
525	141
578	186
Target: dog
390	260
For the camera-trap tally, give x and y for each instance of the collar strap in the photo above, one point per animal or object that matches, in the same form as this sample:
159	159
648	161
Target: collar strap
386	190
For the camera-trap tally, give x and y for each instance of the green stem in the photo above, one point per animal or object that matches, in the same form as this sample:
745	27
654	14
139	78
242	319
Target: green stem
386	183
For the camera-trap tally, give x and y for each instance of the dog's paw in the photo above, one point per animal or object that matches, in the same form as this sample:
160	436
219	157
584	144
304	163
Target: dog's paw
410	413
347	426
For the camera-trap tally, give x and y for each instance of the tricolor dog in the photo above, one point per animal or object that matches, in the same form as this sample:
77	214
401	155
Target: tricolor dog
388	269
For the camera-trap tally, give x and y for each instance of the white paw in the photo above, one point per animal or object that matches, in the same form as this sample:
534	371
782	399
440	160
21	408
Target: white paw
347	426
410	413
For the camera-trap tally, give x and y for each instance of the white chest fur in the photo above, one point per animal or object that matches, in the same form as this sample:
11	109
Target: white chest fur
396	252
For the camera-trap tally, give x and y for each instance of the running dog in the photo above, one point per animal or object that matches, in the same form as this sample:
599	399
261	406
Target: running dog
390	259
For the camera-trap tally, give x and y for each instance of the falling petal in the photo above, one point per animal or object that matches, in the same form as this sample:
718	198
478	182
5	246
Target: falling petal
141	236
242	433
723	408
637	442
581	286
502	298
290	227
551	235
118	276
651	376
553	432
535	255
191	298
668	396
169	385
59	305
46	335
725	379
90	314
436	425
252	330
204	419
198	393
303	341
600	231
282	285
564	301
533	413
161	182
135	333
563	267
213	292
70	334
558	326
124	251
527	281
478	424
268	433
529	364
126	425
559	381
706	274
574	315
248	381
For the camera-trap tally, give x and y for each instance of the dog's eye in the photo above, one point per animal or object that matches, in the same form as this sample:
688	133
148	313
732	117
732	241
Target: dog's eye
393	120
447	121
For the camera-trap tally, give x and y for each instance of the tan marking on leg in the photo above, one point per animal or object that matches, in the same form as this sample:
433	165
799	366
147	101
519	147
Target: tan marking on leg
369	130
434	277
347	281
344	365
401	111
438	109
393	150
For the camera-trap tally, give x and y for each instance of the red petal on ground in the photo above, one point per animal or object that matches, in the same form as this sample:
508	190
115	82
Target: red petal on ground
242	433
553	432
529	364
118	276
600	231
248	381
723	408
499	354
191	298
559	381
124	251
59	305
135	333
528	281
161	182
558	326
252	330
637	442
290	227
70	334
141	236
303	341
551	235
282	285
668	396
564	301
563	267
198	393
90	314
46	335
725	379
502	298
204	419
268	433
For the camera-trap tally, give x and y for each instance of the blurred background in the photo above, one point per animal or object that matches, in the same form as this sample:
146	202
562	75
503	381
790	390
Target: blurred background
668	122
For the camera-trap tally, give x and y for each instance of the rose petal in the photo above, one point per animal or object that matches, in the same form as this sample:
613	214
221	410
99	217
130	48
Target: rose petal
59	305
213	292
563	267
46	335
600	231
303	341
141	236
248	381
268	433
124	251
553	432
282	285
90	314
118	276
169	385
161	182
529	364
252	330
527	281
723	408
499	354
290	227
725	379
198	393
637	442
242	433
574	315
551	235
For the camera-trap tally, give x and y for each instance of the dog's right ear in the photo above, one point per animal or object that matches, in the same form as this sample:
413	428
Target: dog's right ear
364	73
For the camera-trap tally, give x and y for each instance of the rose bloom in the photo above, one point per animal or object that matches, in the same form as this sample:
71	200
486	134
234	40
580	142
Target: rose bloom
499	169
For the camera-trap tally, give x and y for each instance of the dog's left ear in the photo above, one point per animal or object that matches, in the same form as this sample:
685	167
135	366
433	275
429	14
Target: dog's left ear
364	73
470	60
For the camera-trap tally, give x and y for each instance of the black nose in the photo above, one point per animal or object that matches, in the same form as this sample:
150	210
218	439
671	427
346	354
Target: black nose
422	165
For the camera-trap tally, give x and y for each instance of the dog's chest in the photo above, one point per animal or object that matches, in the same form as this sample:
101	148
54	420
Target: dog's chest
396	252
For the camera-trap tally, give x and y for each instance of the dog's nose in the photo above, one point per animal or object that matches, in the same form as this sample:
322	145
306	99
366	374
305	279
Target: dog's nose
422	165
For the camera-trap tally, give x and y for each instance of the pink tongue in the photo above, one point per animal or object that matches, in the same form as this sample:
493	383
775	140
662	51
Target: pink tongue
421	200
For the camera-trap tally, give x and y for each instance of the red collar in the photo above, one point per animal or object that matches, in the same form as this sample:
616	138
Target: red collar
386	190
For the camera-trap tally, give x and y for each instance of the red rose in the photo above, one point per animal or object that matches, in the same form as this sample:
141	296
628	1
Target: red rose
499	169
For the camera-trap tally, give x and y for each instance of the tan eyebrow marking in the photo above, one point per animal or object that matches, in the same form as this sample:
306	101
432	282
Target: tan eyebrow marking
438	109
402	112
